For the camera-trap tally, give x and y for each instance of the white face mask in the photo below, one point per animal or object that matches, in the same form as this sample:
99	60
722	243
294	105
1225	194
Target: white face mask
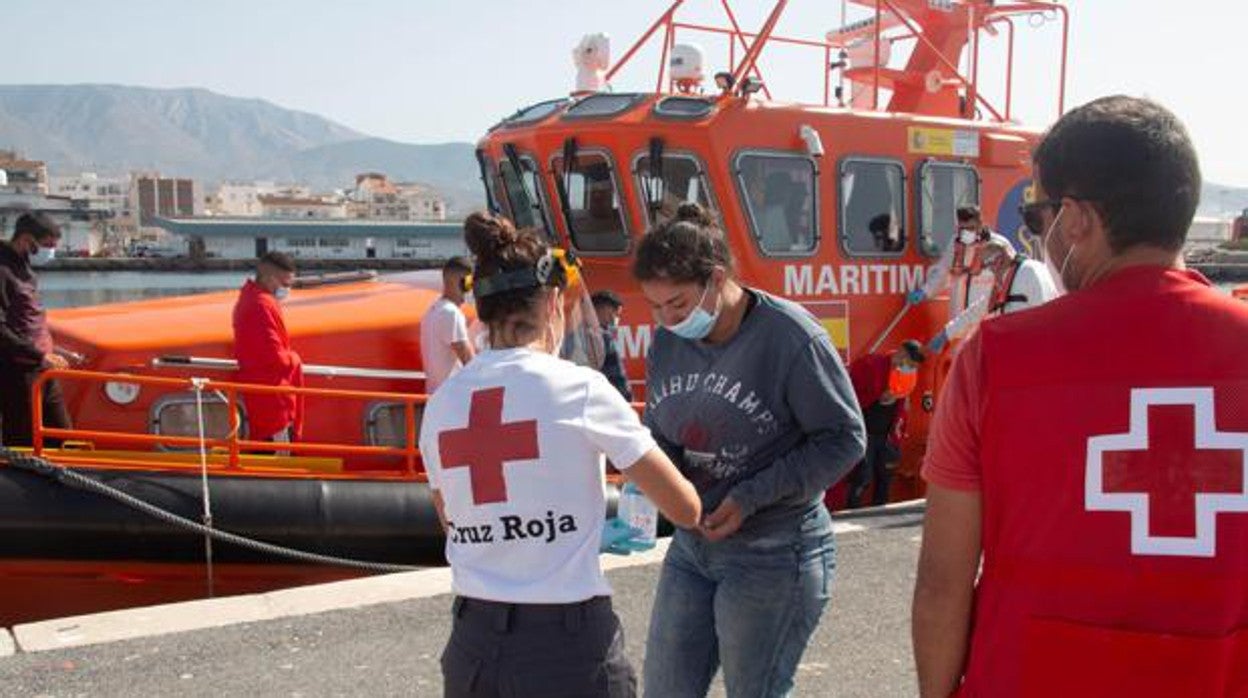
282	293
1055	271
967	237
42	256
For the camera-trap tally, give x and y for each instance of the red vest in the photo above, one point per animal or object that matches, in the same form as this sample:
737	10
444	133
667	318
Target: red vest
1114	443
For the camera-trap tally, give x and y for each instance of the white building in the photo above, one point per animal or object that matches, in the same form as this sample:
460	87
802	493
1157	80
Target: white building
301	207
324	238
375	197
83	223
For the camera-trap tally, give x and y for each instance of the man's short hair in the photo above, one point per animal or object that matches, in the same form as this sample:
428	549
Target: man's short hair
969	213
1133	160
914	351
606	298
278	260
457	264
36	224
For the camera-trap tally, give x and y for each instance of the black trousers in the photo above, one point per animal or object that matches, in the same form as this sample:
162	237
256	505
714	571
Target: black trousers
873	468
15	416
504	650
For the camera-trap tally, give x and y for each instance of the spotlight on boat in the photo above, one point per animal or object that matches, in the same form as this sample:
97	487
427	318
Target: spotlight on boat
723	81
809	136
750	85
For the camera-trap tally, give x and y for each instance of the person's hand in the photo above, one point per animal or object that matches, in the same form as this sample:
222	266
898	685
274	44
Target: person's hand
915	296
722	522
54	360
618	538
938	342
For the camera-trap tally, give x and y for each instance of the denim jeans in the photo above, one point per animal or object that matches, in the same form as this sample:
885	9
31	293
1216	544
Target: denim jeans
748	603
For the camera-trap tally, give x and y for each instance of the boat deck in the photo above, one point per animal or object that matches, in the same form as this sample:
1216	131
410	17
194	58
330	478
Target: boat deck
383	635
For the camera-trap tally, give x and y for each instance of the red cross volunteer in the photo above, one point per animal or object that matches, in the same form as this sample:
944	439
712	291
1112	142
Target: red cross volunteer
514	445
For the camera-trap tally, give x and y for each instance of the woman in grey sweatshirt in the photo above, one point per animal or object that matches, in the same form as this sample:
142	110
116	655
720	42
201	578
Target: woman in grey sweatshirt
748	396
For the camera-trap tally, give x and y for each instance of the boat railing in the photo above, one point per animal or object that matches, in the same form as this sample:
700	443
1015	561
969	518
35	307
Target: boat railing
891	21
230	365
232	444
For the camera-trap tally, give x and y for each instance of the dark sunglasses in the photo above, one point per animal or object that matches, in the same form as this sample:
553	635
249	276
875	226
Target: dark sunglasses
1032	214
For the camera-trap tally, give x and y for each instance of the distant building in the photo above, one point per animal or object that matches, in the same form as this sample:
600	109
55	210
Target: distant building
375	197
22	176
301	207
83	222
319	238
111	193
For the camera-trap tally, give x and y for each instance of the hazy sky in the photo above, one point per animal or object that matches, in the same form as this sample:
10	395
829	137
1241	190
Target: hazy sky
431	71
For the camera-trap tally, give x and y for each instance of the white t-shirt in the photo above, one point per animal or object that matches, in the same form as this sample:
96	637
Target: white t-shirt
442	325
515	442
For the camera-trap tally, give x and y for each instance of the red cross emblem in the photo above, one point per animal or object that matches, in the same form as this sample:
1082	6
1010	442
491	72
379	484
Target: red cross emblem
1173	471
486	444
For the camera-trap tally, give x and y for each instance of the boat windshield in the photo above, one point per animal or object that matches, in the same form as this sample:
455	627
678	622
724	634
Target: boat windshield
680	179
594	204
524	196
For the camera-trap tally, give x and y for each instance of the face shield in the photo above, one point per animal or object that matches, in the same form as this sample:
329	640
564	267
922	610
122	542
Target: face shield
582	335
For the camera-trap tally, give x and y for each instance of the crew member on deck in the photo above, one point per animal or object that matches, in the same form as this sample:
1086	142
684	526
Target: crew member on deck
444	342
25	343
1103	489
607	305
1018	283
882	384
514	446
262	348
960	268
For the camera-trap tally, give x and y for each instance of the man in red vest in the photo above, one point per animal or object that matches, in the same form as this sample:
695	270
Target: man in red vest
262	348
1092	451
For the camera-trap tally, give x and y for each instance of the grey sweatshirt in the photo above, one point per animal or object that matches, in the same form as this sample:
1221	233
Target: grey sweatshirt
768	417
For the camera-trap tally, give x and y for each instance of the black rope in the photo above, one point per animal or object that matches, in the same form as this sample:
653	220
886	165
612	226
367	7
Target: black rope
71	478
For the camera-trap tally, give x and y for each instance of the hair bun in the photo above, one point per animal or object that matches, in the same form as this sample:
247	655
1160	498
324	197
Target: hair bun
693	212
486	234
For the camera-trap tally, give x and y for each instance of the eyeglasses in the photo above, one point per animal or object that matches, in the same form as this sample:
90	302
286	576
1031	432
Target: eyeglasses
1031	214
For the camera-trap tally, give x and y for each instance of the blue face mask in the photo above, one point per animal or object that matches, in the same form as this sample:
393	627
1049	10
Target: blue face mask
699	322
42	256
282	293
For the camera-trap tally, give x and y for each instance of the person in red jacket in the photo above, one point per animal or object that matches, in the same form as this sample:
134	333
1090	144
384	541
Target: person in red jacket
1090	455
262	348
882	384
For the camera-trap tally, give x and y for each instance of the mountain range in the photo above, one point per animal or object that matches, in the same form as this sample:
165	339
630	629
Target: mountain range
211	137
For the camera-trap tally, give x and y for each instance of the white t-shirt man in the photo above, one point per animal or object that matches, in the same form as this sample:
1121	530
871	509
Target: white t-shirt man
515	443
443	325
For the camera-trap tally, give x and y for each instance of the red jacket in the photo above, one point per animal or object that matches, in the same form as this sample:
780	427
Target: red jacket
1114	455
869	374
262	348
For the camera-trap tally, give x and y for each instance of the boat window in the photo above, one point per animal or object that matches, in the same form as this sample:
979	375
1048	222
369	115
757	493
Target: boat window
524	196
602	104
535	113
943	188
683	179
778	190
175	415
873	207
683	107
486	168
597	222
385	424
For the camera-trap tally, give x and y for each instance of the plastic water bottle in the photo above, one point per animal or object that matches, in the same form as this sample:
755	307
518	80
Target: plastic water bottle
640	514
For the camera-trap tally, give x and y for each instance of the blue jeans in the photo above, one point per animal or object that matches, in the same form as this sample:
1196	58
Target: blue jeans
748	603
